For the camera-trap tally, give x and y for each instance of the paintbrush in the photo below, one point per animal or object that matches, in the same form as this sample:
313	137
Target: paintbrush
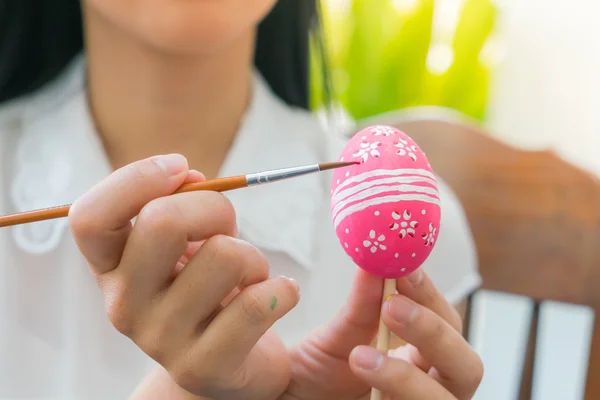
217	185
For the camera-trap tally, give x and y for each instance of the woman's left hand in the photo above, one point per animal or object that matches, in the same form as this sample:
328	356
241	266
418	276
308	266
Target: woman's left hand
437	363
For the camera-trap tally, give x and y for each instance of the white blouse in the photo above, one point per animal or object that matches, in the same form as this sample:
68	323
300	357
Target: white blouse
55	339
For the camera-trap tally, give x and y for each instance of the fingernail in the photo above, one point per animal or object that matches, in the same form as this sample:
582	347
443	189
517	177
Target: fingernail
401	309
292	281
368	358
415	277
172	164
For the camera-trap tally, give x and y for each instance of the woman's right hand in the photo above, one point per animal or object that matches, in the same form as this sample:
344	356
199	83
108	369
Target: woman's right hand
180	285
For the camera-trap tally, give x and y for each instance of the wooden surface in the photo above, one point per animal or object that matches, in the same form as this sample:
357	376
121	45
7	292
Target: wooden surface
535	218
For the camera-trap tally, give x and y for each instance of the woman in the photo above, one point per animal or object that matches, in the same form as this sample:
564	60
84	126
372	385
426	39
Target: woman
188	298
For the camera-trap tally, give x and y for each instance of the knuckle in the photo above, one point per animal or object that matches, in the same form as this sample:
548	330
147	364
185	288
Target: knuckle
255	259
140	170
236	259
253	308
120	320
220	206
430	296
455	320
405	376
195	379
227	210
220	248
151	346
161	215
477	375
251	261
220	245
419	283
155	340
119	306
437	328
185	378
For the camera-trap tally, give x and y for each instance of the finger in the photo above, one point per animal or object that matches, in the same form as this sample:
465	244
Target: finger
162	232
227	341
221	265
395	377
460	369
101	218
357	321
190	250
194	176
410	353
420	288
167	327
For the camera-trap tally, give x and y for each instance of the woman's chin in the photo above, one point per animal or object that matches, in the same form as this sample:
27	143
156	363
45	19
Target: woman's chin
192	41
184	27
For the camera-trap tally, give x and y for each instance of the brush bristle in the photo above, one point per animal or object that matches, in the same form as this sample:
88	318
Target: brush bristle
333	165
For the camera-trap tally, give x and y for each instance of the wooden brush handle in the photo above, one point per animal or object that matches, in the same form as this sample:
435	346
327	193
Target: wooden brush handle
383	335
217	185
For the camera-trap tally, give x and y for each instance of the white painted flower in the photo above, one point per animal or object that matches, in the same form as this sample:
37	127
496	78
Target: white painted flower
404	149
405	224
375	242
430	237
382	130
367	149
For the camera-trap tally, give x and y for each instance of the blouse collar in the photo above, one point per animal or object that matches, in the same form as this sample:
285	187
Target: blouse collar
59	156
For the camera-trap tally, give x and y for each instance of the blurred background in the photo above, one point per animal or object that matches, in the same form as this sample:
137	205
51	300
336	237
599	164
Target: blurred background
504	96
525	70
392	54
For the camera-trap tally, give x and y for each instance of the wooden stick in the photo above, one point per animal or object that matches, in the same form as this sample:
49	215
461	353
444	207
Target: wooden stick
383	335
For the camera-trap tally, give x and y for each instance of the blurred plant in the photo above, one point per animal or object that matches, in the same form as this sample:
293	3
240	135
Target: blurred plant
385	55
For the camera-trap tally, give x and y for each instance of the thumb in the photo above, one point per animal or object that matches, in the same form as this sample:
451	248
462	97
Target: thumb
194	176
101	218
357	321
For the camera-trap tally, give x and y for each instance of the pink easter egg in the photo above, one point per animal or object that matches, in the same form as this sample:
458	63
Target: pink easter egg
386	210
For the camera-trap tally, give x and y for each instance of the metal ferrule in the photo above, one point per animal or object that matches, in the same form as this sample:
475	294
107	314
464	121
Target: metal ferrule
279	174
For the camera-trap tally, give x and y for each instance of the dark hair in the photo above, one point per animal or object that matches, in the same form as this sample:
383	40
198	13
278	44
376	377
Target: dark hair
38	38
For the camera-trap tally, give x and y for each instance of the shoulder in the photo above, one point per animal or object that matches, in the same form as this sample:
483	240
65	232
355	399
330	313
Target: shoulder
43	139
46	100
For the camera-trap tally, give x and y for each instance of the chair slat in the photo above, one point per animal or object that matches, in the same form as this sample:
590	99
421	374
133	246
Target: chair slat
562	351
499	330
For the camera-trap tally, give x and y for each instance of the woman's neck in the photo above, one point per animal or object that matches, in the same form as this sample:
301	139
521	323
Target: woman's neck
145	102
